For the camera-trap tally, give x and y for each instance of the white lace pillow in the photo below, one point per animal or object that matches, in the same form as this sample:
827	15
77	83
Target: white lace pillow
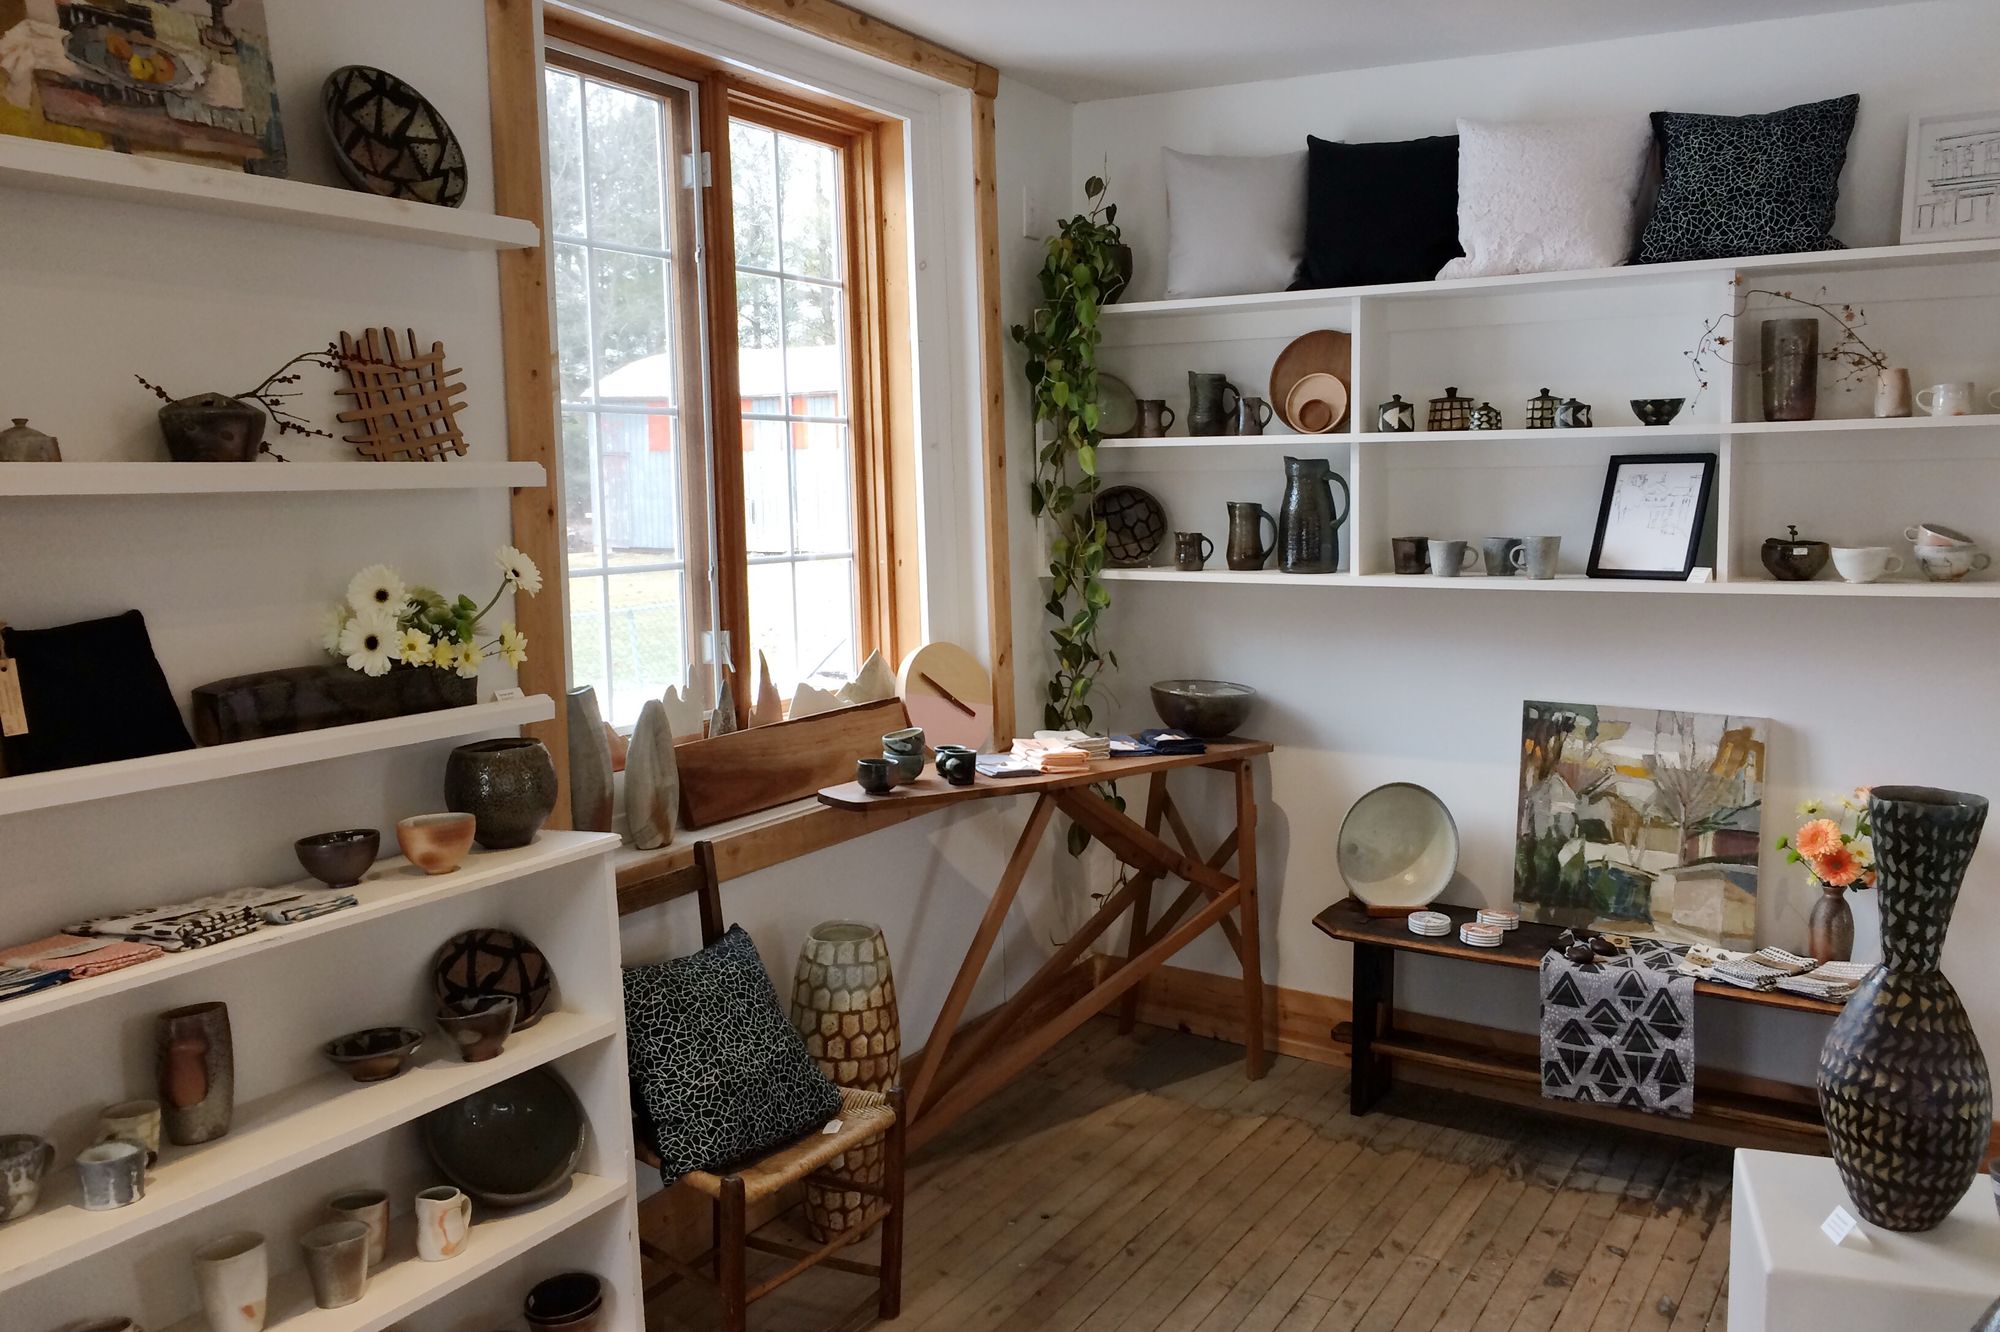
1234	224
1545	197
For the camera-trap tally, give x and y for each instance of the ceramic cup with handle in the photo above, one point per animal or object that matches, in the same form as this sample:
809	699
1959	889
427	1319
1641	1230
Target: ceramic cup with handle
444	1218
112	1174
1865	564
1498	552
24	1159
1252	415
1155	418
234	1274
1536	556
1410	555
1936	534
1191	551
1956	398
1948	564
1449	559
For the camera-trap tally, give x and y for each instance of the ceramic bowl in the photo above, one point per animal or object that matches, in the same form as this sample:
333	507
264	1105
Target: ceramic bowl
436	843
909	740
1207	709
571	1301
375	1054
875	775
339	859
388	140
510	1144
1793	561
1948	564
1657	411
478	1025
1398	847
905	768
1316	404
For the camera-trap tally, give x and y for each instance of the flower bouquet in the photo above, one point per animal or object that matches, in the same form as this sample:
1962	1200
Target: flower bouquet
384	622
1835	845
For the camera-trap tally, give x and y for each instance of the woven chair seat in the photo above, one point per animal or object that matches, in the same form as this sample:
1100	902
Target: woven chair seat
864	1116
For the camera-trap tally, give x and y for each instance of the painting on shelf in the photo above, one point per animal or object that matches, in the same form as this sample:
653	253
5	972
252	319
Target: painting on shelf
1951	178
1641	821
184	79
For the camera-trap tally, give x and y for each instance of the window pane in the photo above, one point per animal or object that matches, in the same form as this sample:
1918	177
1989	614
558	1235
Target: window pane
579	490
809	207
628	307
565	93
586	636
815	365
759	372
625	166
826	620
767	495
771	631
823	482
641	486
648	641
573	323
753	185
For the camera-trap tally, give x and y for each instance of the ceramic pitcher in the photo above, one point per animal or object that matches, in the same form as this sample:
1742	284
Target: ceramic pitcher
1247	548
1212	402
1308	523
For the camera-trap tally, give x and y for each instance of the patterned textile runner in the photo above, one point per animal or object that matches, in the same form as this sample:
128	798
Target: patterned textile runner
1620	1030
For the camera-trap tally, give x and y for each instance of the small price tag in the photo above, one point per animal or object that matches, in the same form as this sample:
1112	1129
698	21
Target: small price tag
832	1127
507	695
1839	1225
1701	573
13	715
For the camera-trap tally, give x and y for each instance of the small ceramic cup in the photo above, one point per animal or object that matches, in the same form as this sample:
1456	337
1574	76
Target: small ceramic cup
1865	564
570	1302
1412	555
874	775
909	740
957	764
24	1159
1954	399
136	1122
1536	556
1948	564
1449	559
234	1274
444	1219
1936	534
436	843
1191	551
337	1262
1498	553
339	859
479	1026
113	1174
904	768
370	1207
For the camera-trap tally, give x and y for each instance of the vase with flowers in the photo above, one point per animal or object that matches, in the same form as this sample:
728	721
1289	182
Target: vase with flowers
386	624
1835	845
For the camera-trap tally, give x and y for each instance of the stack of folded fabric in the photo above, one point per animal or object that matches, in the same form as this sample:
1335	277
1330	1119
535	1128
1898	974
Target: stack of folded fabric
1163	741
1761	970
17	981
1052	755
1834	982
286	906
197	924
74	957
1093	746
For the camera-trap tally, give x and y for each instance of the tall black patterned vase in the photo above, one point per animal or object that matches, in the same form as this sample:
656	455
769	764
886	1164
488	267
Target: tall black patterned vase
1902	1081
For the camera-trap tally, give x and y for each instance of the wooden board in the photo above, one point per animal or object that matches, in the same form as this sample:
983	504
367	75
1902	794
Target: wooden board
949	694
932	790
1328	350
745	771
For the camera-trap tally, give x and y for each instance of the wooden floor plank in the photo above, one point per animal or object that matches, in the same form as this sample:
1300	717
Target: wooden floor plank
1659	1217
1699	1215
1704	1290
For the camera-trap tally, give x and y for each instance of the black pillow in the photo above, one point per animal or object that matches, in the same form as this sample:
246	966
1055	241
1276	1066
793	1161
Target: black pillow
1379	212
719	1075
93	692
1734	186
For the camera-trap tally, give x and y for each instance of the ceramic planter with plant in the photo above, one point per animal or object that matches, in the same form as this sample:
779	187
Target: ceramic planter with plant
229	427
1835	845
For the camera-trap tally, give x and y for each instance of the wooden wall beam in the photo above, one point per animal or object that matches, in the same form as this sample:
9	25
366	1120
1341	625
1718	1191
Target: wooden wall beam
993	417
849	27
527	344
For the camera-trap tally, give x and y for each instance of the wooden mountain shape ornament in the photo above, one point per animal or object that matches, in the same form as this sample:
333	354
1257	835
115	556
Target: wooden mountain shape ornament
811	702
769	707
683	707
872	685
722	720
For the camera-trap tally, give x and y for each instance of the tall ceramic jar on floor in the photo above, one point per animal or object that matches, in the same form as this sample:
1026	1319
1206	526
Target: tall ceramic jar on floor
844	1004
1902	1081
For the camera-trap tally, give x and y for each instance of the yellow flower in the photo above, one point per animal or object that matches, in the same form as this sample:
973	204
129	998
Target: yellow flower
1808	808
414	649
444	654
469	657
513	645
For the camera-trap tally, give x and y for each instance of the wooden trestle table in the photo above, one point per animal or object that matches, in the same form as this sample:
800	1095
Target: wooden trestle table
954	1076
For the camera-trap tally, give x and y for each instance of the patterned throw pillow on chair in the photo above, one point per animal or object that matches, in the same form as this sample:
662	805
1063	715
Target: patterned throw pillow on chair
719	1076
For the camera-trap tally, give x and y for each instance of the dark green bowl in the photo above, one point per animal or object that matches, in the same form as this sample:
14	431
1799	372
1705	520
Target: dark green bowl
514	1143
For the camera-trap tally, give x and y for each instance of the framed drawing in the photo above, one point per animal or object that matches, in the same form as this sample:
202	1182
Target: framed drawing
186	79
1951	178
1650	519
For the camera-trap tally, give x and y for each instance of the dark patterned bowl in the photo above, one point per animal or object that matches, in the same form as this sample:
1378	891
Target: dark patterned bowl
389	140
512	1144
1657	411
376	1054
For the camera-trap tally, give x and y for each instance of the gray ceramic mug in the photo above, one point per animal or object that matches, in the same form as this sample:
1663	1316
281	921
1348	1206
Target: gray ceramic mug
957	764
1537	555
1411	555
113	1174
24	1159
1449	559
1498	552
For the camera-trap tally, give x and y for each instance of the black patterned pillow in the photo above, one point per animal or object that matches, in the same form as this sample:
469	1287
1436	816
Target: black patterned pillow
718	1074
1733	186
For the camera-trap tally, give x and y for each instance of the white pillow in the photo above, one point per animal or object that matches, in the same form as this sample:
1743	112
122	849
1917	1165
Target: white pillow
1543	198
1234	224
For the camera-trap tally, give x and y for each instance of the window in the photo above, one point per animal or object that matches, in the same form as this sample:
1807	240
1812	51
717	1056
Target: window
729	429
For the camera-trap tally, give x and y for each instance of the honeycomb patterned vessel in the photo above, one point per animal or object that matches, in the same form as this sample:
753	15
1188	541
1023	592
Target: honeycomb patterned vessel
844	1004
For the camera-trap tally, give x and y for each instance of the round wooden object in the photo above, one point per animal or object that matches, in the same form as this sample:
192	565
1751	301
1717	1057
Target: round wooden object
1324	351
933	677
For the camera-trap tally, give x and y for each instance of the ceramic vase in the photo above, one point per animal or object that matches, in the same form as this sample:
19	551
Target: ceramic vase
589	764
844	1004
234	1276
197	1073
1308	522
507	785
1830	927
21	442
1790	358
1902	1081
213	427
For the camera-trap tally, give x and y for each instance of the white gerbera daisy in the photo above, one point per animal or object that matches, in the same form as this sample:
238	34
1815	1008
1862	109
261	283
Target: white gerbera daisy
370	642
518	570
513	645
330	628
378	587
469	657
413	648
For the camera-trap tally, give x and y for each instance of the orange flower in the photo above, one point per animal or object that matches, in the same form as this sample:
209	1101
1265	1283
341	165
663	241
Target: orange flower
1818	838
1837	867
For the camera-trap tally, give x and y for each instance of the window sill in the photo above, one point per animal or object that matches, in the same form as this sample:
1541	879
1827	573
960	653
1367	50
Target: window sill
743	846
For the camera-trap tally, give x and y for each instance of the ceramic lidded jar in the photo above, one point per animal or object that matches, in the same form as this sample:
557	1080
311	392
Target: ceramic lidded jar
1396	416
21	442
1542	411
507	785
1453	411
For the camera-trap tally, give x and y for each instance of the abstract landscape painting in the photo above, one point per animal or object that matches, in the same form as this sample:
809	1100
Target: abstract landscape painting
1640	820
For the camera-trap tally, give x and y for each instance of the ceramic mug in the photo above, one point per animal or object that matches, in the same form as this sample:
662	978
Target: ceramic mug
444	1216
1449	559
371	1208
234	1274
1537	556
113	1174
957	764
1865	564
1191	551
1155	418
24	1159
1948	564
1958	398
1252	415
136	1122
1935	534
1498	552
337	1262
1410	555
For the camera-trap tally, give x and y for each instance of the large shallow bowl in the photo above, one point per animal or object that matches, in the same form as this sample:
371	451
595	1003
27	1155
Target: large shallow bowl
1207	709
389	140
1398	847
512	1144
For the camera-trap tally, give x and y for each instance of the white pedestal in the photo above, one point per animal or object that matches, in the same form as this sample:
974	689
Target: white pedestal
1784	1274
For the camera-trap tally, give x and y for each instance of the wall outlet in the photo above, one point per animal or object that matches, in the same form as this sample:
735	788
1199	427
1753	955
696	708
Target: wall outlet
1034	218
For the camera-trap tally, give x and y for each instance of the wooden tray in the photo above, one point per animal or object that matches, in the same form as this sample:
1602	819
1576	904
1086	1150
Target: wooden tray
1325	351
745	771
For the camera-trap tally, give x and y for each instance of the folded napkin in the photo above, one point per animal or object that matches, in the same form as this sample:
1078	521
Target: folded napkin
1163	741
197	924
17	981
75	956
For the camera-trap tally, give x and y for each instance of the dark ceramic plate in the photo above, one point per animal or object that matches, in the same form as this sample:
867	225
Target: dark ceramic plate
481	962
511	1144
389	140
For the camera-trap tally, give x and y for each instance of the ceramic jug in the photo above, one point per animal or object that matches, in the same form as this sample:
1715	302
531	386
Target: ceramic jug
1308	524
1212	402
1247	549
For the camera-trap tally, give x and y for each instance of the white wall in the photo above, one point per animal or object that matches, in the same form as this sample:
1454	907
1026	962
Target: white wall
1367	686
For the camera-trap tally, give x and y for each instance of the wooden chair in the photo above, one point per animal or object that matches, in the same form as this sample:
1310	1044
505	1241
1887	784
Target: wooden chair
864	1117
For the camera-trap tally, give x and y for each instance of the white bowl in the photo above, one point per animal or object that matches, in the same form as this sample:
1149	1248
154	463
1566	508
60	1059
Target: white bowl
1398	847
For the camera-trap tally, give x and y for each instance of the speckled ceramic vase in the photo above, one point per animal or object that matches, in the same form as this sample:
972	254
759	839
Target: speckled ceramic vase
507	785
844	1004
197	1072
589	764
1902	1081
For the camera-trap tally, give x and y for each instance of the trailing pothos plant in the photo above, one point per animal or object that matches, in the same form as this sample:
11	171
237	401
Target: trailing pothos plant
1081	272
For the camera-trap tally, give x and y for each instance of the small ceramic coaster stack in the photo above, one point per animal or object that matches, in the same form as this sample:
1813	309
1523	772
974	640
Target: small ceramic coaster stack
1481	936
1501	916
1436	924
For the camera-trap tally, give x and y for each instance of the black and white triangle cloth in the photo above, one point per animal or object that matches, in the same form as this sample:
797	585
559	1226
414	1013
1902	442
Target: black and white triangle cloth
1620	1030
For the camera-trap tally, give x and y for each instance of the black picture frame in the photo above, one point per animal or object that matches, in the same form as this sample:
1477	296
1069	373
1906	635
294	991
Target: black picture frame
1678	468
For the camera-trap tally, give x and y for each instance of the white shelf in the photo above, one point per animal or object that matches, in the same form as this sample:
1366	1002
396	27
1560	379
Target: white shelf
1565	583
391	887
273	1136
173	478
1672	430
1629	275
408	1285
100	781
97	173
